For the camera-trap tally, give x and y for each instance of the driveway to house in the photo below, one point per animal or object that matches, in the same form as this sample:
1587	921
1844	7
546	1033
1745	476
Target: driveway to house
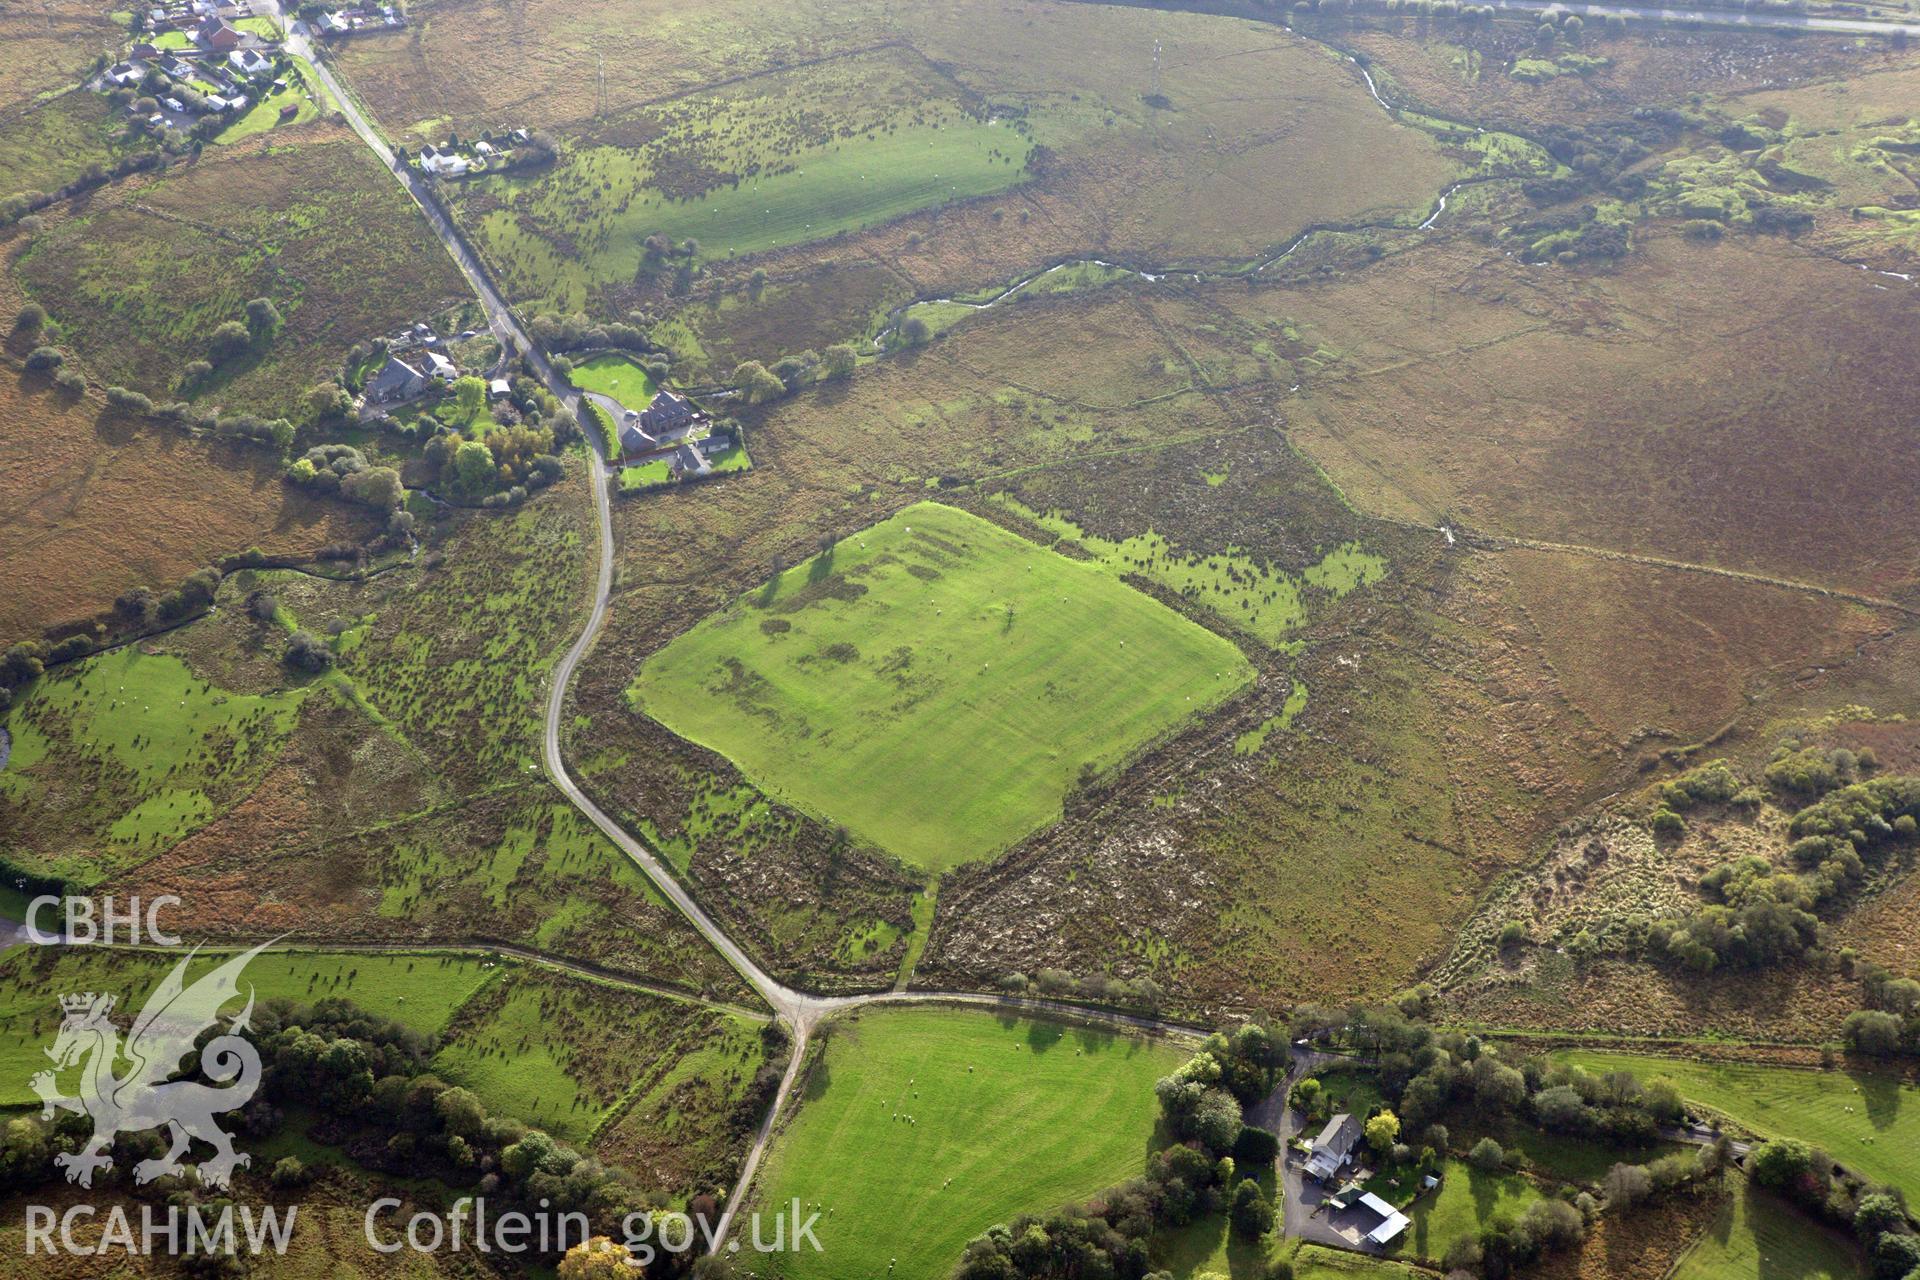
1300	1196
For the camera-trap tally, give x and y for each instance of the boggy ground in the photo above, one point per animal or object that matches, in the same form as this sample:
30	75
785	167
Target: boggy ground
1734	405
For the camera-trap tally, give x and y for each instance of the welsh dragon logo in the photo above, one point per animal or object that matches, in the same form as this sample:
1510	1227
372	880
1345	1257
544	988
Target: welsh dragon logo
155	1048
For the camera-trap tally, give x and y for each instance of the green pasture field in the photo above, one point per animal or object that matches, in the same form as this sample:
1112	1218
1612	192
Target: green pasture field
1758	1237
615	376
935	683
565	1053
920	1128
1261	600
1465	1201
421	990
139	744
1869	1122
859	183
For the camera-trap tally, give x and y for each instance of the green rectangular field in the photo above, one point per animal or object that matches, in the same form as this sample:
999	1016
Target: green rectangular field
1868	1121
936	684
1757	1237
921	1128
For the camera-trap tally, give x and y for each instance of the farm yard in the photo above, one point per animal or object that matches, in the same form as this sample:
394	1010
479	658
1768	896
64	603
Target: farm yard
919	1128
848	668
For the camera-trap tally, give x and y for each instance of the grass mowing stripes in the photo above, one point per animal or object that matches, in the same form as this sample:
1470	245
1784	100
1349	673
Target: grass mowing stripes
1757	1237
936	684
1868	1121
920	1128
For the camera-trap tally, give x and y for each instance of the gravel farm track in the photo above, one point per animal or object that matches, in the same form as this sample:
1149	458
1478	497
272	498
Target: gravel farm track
797	1010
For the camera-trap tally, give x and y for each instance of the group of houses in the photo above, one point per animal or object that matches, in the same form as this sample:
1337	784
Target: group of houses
186	15
669	429
359	20
1329	1161
221	73
416	363
457	159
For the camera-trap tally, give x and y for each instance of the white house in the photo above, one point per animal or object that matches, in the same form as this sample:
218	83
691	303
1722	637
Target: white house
1332	1148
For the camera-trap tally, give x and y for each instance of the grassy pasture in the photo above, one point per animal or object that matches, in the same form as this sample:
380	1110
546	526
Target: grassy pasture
142	747
1758	1237
1465	1201
1265	602
920	1128
143	275
421	991
781	159
45	145
1868	1122
935	683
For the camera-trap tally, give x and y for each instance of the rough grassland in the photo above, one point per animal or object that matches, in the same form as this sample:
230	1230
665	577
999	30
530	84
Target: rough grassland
70	474
47	46
125	754
564	1053
421	991
920	1128
1868	1122
1756	1237
1616	387
142	275
935	684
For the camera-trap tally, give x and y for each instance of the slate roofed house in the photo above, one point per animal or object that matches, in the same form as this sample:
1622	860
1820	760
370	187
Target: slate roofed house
124	73
250	62
1332	1147
713	445
666	412
441	367
395	380
632	439
175	68
688	462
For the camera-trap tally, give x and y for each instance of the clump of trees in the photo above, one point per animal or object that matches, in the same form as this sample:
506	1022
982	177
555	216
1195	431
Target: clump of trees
1808	1177
505	464
381	1105
1888	1023
342	469
1099	988
308	652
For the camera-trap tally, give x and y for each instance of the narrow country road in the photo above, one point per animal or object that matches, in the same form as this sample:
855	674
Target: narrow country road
1736	18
